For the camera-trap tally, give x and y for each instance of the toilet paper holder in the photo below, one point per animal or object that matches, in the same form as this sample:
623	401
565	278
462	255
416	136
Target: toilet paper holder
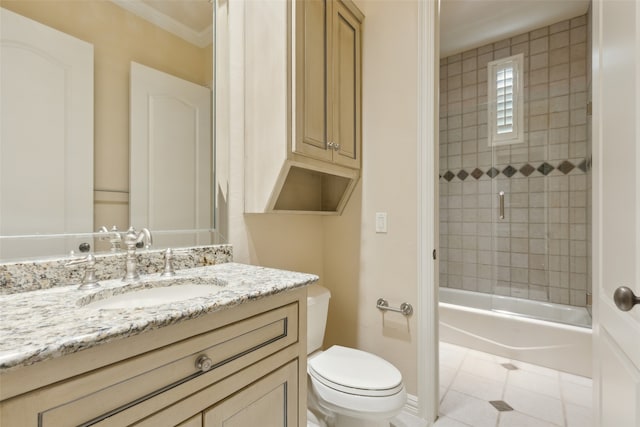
405	308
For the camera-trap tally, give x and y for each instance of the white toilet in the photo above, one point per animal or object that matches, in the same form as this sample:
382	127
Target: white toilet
347	387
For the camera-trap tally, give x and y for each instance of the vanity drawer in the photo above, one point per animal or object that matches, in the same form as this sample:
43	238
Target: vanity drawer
279	395
93	397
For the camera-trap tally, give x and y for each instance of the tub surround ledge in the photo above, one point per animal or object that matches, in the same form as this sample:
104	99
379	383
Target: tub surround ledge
45	324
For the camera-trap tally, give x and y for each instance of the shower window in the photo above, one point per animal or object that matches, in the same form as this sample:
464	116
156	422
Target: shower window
505	101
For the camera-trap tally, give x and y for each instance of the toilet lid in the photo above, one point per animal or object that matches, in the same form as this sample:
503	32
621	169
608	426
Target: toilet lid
355	371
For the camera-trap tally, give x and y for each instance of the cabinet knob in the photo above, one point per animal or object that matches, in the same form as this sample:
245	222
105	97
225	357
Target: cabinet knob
331	145
203	363
336	146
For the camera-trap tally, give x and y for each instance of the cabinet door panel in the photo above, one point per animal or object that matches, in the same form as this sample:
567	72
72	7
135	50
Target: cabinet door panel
207	399
192	422
271	401
312	83
346	87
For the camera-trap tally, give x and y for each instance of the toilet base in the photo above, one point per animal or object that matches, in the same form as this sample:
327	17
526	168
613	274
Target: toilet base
314	421
346	421
325	418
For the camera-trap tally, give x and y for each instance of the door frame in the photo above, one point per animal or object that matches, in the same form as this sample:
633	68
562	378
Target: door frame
427	198
427	307
603	306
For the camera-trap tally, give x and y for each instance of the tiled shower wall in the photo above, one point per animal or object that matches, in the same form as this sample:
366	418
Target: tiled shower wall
540	250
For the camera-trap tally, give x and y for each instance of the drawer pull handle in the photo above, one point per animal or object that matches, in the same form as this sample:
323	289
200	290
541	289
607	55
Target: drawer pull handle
203	363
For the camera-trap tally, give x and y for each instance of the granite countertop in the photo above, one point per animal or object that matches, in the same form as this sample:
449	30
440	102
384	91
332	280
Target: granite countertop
45	324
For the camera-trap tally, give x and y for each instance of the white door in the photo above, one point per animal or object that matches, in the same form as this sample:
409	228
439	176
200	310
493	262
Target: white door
171	156
46	135
616	217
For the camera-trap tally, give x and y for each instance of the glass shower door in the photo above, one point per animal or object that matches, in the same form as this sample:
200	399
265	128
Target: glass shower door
514	166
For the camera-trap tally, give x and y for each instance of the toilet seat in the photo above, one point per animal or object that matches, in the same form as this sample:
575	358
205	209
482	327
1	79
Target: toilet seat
355	372
356	383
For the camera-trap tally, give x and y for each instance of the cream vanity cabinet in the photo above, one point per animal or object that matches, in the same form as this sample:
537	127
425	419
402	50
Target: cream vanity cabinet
267	401
243	366
302	96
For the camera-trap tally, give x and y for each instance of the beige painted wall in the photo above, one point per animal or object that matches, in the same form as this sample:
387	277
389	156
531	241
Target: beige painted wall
118	37
291	242
360	265
354	262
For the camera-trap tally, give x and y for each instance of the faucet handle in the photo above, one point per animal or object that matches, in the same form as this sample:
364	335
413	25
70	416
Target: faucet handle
168	270
169	255
89	280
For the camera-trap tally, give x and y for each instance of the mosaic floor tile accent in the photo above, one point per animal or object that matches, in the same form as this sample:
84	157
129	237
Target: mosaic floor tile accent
501	405
509	366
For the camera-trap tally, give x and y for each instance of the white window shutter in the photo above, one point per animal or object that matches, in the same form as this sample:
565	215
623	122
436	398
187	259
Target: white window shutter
505	107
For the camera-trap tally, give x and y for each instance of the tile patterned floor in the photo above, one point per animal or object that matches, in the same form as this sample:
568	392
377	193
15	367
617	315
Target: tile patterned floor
540	397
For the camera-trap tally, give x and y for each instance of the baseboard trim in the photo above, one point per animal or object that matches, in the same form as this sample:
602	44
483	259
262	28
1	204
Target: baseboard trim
409	415
411	407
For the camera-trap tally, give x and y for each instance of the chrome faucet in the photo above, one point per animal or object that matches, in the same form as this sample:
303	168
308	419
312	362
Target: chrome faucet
168	270
89	280
131	240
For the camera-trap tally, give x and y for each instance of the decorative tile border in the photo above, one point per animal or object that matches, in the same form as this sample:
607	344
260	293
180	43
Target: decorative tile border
526	170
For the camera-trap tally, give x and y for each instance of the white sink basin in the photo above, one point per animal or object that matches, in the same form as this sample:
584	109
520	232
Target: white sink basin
151	297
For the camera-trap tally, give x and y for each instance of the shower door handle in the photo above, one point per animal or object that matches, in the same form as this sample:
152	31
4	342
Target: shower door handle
501	204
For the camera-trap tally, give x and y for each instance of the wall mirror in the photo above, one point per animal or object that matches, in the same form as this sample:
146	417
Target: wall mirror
119	182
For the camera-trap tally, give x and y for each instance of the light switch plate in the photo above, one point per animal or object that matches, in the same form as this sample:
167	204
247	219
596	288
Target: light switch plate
381	222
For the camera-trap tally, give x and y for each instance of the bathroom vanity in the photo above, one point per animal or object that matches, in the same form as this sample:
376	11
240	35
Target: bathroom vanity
237	357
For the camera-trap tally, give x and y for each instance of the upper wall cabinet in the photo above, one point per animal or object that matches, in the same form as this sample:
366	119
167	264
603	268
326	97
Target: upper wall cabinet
328	82
302	105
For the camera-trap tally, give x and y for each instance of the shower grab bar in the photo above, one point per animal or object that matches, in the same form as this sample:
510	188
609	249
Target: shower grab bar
405	308
501	203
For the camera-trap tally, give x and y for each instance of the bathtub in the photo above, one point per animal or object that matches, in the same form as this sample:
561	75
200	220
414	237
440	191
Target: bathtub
552	335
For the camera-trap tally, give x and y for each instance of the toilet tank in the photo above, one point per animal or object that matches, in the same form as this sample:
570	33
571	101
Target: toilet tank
317	309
